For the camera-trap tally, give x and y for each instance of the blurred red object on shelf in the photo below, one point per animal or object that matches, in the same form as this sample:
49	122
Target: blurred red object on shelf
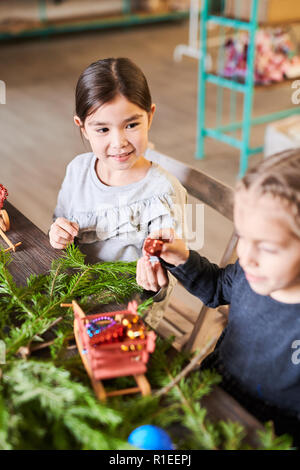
3	195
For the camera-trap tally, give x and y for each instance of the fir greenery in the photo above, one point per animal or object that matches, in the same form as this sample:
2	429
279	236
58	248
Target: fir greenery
46	400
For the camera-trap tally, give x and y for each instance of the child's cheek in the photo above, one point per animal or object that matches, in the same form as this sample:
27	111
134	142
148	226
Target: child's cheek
268	265
239	248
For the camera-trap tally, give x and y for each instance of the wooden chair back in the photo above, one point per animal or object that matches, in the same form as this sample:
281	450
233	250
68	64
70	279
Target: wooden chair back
196	328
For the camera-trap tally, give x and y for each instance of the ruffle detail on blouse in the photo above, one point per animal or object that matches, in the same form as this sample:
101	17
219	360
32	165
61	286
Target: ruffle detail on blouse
134	220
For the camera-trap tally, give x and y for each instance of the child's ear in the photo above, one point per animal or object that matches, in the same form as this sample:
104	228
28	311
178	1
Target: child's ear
79	123
151	114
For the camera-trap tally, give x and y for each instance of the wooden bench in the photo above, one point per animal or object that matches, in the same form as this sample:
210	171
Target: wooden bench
193	329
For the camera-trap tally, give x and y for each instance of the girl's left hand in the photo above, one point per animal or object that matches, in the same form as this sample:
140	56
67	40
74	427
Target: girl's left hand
151	276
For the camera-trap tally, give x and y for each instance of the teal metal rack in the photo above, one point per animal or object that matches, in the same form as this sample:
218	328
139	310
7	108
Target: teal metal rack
127	18
220	132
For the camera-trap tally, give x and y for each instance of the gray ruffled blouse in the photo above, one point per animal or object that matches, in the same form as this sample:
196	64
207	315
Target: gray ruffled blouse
115	220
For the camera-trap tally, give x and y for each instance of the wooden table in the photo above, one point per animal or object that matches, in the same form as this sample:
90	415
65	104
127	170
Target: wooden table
34	256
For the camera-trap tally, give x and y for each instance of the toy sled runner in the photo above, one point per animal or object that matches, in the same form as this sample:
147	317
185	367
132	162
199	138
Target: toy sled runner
4	220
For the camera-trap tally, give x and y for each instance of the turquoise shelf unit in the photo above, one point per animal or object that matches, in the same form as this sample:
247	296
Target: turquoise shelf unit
247	88
126	19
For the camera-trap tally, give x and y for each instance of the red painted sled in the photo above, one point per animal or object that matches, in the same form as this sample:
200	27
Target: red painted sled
120	346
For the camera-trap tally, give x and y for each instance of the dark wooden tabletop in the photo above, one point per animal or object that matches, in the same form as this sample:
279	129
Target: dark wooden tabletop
35	255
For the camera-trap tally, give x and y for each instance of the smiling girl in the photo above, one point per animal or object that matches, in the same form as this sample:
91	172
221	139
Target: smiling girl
113	197
258	354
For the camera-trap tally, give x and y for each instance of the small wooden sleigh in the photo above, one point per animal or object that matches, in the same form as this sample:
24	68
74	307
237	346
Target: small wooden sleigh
5	222
115	359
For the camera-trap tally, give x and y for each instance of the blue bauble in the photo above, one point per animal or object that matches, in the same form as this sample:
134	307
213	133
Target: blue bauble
150	437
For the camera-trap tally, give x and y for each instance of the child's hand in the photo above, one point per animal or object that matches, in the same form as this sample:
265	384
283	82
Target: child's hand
62	232
151	276
175	250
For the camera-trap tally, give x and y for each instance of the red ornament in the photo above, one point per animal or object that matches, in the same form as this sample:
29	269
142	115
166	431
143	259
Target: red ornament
153	246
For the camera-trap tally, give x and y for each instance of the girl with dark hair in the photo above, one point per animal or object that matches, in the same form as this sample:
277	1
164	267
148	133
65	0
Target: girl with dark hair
113	197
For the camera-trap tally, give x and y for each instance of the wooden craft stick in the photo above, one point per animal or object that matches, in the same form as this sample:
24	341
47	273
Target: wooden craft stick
4	220
10	244
12	248
188	368
2	224
41	346
125	391
54	323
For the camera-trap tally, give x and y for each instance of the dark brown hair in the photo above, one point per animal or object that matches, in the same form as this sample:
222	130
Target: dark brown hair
101	81
279	176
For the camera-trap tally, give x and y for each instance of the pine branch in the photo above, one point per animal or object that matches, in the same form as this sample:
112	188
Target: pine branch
269	441
59	401
233	433
54	280
65	286
188	368
12	291
46	404
194	414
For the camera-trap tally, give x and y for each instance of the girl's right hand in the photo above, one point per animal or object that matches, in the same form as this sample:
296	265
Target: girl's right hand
62	232
175	250
151	276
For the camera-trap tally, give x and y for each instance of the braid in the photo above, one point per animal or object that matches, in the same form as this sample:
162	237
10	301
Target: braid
279	176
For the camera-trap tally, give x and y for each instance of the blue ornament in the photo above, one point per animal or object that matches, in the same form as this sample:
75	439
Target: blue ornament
150	437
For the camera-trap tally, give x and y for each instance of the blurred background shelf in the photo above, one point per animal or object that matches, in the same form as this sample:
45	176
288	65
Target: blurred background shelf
29	18
245	16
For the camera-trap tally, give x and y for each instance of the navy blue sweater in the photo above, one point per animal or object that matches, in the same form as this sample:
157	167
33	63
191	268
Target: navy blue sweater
261	346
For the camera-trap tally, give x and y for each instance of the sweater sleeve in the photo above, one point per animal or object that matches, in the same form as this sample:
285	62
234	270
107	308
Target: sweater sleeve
63	198
205	280
73	187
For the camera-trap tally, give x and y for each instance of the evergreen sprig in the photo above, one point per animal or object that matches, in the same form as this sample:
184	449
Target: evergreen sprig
54	410
49	403
27	312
